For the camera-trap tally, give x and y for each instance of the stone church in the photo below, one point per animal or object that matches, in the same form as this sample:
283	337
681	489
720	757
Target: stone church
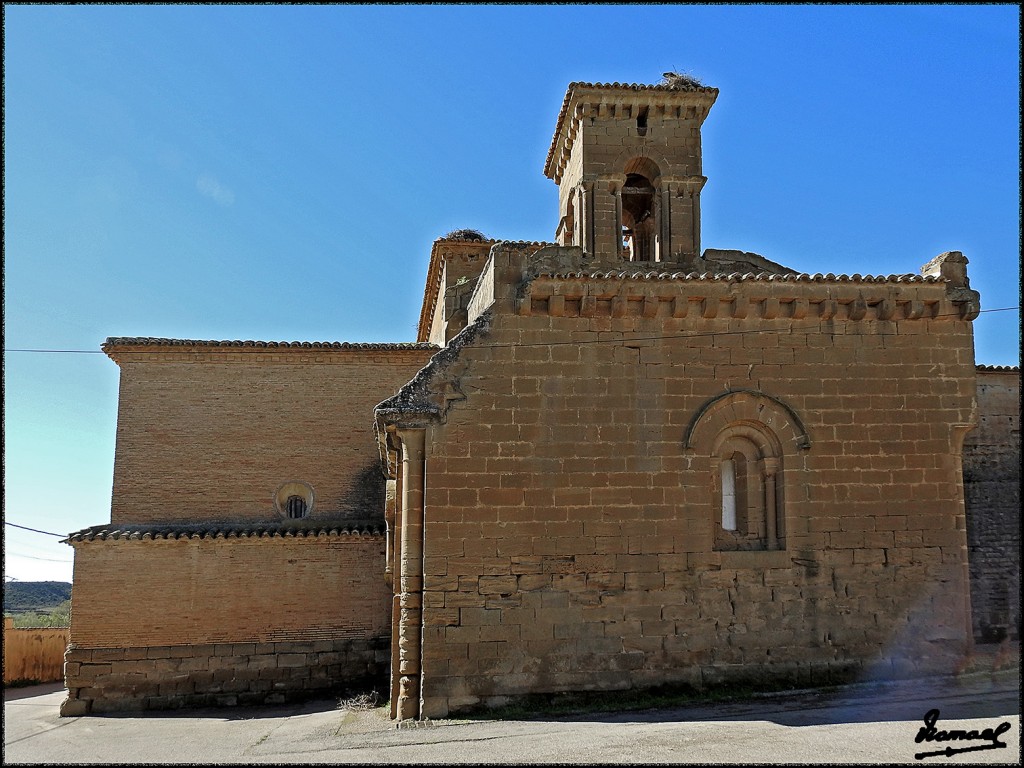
615	460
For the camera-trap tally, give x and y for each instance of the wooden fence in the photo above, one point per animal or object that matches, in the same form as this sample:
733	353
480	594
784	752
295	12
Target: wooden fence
34	653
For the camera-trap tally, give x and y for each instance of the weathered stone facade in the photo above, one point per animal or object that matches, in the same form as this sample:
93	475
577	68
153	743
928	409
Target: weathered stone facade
612	461
218	675
567	453
992	490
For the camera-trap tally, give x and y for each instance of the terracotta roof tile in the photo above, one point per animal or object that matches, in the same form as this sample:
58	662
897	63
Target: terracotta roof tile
224	531
146	341
433	282
738	277
999	368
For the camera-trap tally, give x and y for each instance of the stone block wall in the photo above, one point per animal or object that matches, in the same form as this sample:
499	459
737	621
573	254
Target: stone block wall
992	493
452	272
220	674
208	433
207	618
571	497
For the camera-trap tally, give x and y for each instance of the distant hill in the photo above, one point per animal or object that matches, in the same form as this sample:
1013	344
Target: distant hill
20	596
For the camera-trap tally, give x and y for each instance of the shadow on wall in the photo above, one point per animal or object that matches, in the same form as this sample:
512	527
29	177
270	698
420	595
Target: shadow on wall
366	495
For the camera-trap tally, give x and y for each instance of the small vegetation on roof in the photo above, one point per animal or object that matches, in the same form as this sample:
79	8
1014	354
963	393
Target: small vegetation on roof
681	81
465	234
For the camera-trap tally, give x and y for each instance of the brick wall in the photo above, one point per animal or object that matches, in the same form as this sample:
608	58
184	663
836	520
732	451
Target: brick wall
201	598
992	492
172	592
569	538
212	433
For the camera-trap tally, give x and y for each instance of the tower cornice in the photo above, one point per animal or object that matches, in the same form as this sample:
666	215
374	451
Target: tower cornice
584	100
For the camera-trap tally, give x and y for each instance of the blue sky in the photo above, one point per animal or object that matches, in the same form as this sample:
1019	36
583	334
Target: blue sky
279	173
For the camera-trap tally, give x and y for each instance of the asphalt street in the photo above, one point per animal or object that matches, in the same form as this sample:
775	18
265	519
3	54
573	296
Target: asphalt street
869	723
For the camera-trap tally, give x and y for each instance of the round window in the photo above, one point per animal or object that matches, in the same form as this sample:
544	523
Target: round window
294	500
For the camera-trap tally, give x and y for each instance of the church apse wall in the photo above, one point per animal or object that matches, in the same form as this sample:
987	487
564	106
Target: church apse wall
634	478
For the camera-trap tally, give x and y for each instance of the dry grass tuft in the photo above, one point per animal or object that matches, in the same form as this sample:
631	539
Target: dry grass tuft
361	702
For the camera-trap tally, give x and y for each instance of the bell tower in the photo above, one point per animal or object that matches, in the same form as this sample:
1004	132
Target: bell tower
627	162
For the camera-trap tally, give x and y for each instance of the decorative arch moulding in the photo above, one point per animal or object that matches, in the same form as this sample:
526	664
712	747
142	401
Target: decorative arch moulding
748	405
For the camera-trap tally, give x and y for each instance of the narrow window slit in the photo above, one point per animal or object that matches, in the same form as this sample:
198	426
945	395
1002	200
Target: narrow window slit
641	121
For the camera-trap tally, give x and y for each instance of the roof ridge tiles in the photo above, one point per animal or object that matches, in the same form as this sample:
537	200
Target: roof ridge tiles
643	86
802	277
154	341
204	531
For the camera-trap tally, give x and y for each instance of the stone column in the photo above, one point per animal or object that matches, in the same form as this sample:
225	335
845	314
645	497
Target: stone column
396	581
771	467
665	219
411	574
617	191
389	524
579	225
589	237
685	210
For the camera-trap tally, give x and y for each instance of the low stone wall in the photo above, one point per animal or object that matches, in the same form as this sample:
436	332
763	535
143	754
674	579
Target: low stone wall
221	675
34	653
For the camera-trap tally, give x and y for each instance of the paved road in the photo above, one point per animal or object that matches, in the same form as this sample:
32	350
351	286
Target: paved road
856	724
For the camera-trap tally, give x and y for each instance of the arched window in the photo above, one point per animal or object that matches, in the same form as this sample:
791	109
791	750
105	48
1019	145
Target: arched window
639	207
728	494
638	218
747	440
745	463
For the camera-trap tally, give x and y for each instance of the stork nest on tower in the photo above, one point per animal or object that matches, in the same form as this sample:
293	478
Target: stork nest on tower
465	234
680	81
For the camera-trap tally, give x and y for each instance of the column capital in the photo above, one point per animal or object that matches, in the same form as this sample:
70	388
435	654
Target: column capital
413	439
687	183
615	181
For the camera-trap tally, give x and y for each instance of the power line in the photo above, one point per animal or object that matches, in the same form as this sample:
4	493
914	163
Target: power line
593	341
60	351
47	559
36	530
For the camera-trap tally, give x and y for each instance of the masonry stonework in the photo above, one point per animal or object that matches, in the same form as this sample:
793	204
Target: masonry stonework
218	674
612	461
992	489
554	559
143	594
